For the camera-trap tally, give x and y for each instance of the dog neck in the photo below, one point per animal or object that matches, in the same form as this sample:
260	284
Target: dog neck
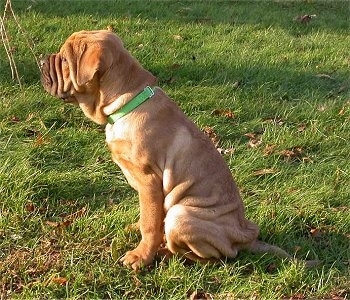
119	100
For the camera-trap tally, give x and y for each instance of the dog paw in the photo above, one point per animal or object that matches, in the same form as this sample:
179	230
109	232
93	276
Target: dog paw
136	259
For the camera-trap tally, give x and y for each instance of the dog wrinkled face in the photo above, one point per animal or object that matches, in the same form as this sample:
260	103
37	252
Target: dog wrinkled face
55	77
69	73
75	73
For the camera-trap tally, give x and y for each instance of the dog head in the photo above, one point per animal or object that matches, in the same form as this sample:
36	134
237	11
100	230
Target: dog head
92	69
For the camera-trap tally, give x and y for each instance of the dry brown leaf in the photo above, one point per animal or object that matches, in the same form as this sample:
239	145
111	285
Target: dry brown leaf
304	19
250	135
52	224
30	116
76	214
254	143
275	121
60	225
212	135
171	80
344	108
342	111
30	207
265	171
227	151
39	140
297	296
237	84
66	223
254	139
15	119
297	248
321	108
223	112
301	127
60	280
271	268
269	149
200	295
315	232
292	153
110	28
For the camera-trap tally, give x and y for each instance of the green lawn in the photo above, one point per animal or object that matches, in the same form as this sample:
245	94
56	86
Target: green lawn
274	91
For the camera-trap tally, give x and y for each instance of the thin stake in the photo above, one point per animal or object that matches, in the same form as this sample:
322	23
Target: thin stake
6	41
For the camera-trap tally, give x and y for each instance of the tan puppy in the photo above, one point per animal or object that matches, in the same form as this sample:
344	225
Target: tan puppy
185	188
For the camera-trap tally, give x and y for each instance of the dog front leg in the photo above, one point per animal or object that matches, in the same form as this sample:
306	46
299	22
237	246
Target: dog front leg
151	222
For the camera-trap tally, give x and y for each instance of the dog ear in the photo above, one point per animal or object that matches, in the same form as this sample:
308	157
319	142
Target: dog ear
93	61
86	61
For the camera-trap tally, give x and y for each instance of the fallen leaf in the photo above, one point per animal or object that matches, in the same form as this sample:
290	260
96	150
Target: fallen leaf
178	37
229	151
304	19
60	280
297	296
294	153
100	159
301	127
321	108
325	76
212	135
52	224
237	84
39	140
344	108
137	281
66	223
306	159
254	139
265	171
297	248
75	215
30	116
271	268
30	207
15	119
226	151
170	80
222	112
316	233
269	149
342	111
198	294
275	121
110	28
59	225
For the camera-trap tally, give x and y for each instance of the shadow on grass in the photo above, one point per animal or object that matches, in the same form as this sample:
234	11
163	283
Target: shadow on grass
334	14
262	14
281	83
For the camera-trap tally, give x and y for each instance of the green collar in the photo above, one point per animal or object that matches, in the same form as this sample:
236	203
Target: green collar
146	94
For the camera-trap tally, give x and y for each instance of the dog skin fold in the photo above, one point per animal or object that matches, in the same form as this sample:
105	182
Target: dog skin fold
187	194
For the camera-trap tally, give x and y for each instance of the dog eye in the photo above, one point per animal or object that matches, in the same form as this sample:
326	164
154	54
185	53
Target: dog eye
64	60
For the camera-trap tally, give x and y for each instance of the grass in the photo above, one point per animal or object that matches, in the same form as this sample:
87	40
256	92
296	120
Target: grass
286	85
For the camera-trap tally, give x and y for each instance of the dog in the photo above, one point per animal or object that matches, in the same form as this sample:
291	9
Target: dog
186	191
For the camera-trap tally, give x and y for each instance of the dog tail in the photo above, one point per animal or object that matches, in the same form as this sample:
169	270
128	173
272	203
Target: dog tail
263	248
